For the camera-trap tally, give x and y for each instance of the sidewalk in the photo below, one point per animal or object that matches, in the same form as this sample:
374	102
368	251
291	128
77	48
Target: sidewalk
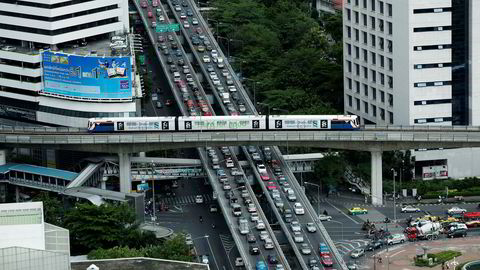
159	231
400	257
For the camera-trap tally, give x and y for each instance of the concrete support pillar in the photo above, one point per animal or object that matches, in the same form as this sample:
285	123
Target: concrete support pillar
124	171
376	183
141	154
103	182
17	194
3	157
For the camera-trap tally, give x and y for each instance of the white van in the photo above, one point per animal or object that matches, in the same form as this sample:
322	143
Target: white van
396	239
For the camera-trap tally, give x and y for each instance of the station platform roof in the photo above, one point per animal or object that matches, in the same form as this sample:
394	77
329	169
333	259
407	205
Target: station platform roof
44	171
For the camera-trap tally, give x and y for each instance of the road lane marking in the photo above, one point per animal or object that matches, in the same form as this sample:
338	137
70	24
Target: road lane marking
397	253
343	213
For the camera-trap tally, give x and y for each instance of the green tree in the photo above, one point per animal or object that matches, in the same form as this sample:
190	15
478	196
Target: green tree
329	170
174	248
115	252
103	226
53	210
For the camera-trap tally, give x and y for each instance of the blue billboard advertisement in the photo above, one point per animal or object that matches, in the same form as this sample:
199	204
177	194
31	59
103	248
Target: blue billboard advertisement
87	77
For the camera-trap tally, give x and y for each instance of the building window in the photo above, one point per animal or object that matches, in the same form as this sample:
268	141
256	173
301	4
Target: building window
390	100
357	87
380	6
349	66
381	59
373	58
382	96
381	44
357	101
390	46
349	32
364	19
432	102
374	110
380	24
374	75
389	10
365	90
382	78
432	29
390	28
390	117
355	14
365	37
365	4
432	120
390	82
365	55
372	40
357	52
372	4
432	47
374	93
357	69
439	65
349	49
349	101
349	14
349	83
372	22
382	113
365	72
429	84
357	35
390	64
432	10
365	107
356	3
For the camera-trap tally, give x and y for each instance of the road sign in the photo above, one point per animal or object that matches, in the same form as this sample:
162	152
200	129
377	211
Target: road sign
162	28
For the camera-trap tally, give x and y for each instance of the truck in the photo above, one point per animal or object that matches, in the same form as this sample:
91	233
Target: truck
424	231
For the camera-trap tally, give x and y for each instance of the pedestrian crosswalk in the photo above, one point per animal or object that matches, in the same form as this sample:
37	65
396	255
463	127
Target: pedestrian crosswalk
227	242
346	246
184	200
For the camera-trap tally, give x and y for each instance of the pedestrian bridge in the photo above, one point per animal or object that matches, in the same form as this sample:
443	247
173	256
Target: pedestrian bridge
372	138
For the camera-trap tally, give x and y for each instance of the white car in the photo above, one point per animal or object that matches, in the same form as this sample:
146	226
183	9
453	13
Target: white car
235	171
254	217
268	244
298	237
205	259
295	226
299	209
256	156
214	53
323	217
456	210
410	209
199	199
311	227
260	225
188	239
261	168
291	197
229	163
206	59
251	208
264	235
186	24
226	186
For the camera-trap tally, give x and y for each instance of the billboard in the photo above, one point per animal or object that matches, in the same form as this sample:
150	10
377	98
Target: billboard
87	77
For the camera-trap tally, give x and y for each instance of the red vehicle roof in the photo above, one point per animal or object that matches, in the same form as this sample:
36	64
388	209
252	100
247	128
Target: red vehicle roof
471	215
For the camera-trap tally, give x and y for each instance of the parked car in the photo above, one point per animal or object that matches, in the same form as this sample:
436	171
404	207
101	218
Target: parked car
357	253
357	211
410	209
457	233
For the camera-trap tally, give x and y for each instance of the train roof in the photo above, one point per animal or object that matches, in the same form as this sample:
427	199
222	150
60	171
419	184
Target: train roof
222	117
133	118
308	116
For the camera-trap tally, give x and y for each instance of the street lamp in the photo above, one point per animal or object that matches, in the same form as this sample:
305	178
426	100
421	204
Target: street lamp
153	190
318	195
394	196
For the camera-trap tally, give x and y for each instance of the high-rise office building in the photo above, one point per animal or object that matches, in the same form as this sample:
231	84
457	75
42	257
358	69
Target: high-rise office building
79	77
413	62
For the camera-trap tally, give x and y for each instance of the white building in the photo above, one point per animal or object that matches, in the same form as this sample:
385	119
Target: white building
412	62
30	26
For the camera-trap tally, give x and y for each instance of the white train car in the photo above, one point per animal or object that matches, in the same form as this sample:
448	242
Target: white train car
313	122
131	124
207	123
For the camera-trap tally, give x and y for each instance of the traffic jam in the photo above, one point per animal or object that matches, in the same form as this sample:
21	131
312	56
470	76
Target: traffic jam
457	222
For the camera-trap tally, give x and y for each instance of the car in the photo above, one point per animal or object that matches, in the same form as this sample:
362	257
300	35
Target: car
298	237
205	259
305	249
239	262
352	266
398	238
169	102
298	208
254	217
184	4
213	208
254	250
251	149
199	199
261	265
271	186
256	156
235	172
188	239
186	24
226	186
357	253
229	163
144	4
288	217
264	235
311	227
206	59
456	210
159	104
312	262
280	267
268	244
161	18
291	197
264	176
323	249
260	225
178	8
326	260
183	15
323	217
272	259
374	245
261	168
189	12
166	52
251	238
214	53
251	208
278	202
194	21
295	226
457	233
241	108
357	211
410	209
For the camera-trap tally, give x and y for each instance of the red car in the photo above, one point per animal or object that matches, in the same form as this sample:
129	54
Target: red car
271	186
143	4
264	176
150	14
207	113
169	102
326	260
154	3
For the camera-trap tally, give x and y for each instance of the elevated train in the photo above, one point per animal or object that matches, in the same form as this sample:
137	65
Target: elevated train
224	123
